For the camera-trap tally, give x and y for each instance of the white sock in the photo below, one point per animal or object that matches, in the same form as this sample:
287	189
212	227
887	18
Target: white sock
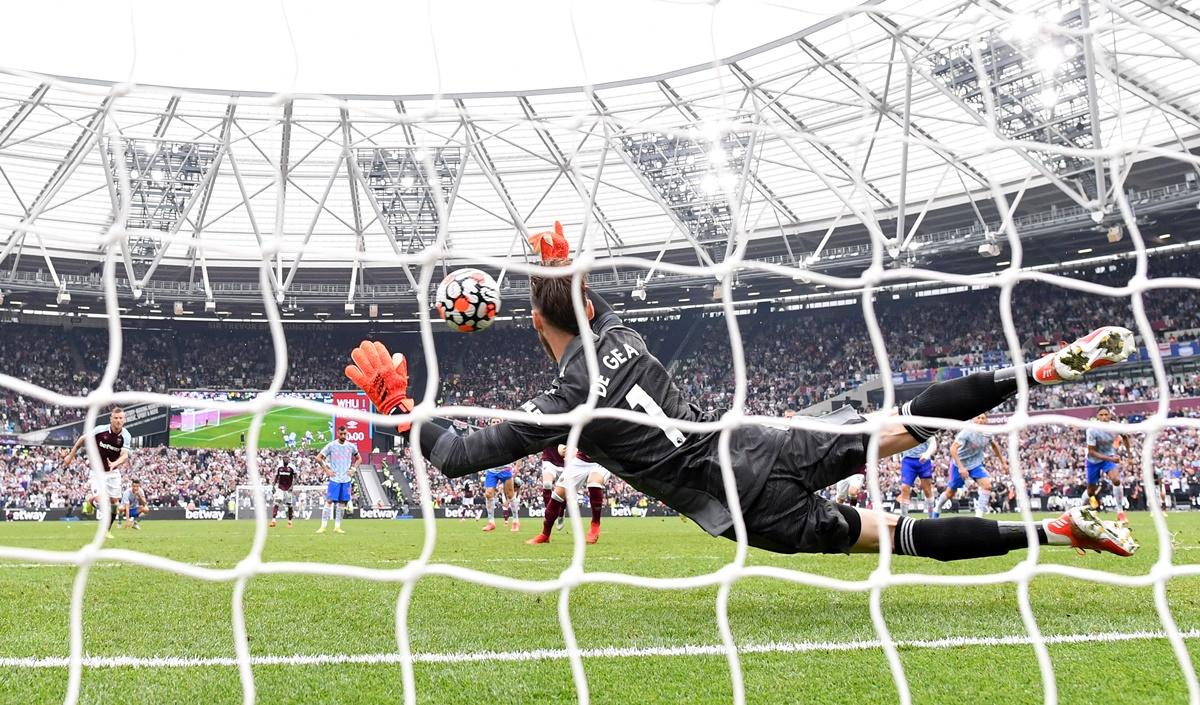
491	509
983	502
514	508
941	501
904	508
337	515
1119	497
324	515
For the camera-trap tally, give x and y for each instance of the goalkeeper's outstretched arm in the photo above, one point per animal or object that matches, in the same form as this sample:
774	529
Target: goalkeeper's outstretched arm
506	442
384	378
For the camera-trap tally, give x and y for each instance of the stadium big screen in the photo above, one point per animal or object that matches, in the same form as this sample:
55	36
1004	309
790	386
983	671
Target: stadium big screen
283	426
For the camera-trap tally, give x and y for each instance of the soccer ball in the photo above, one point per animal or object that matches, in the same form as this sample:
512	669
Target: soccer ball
468	300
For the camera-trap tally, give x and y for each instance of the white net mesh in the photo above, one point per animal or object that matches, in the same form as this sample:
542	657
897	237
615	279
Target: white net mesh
867	158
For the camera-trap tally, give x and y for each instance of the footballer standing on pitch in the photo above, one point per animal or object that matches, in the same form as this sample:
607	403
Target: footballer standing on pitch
777	472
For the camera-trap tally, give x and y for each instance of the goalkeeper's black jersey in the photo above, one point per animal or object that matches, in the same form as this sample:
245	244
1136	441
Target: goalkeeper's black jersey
679	468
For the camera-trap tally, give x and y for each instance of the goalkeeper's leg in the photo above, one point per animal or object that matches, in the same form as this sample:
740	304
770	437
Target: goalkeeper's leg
959	538
788	516
967	397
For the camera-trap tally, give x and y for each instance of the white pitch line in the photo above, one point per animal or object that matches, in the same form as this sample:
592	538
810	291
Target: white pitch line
774	647
100	564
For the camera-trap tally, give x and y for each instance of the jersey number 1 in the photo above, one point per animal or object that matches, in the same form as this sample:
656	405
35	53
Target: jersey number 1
638	397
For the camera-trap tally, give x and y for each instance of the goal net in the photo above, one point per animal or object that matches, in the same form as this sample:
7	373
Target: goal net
192	419
818	172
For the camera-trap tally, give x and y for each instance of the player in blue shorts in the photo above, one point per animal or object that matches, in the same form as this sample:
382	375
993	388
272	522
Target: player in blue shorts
135	505
917	462
338	458
500	477
1102	460
966	461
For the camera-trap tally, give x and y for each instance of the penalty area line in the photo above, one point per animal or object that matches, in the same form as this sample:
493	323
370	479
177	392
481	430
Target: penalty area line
787	647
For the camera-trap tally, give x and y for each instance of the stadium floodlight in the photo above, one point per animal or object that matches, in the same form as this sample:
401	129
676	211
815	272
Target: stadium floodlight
64	296
349	307
693	176
164	176
210	306
404	194
1038	85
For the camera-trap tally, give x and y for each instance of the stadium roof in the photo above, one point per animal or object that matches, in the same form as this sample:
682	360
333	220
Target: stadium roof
807	143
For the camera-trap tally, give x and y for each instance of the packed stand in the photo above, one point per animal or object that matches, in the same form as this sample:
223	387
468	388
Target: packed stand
34	477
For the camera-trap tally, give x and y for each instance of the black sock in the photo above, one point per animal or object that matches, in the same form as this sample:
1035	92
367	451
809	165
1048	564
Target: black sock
957	538
960	399
289	513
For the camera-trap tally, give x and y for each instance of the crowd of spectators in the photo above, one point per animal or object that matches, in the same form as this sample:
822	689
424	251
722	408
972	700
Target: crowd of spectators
34	477
792	360
1052	463
797	358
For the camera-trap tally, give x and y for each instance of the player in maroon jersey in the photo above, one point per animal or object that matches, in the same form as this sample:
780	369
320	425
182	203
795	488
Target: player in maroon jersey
285	474
113	442
572	473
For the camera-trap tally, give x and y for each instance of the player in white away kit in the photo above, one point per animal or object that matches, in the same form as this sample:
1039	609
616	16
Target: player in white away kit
848	489
1102	459
134	504
967	455
113	441
501	477
917	462
338	458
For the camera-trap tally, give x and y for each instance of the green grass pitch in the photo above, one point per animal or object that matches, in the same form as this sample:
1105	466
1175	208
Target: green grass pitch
228	434
141	613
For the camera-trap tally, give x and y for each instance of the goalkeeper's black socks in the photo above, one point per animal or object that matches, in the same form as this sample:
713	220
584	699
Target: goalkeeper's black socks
962	399
958	538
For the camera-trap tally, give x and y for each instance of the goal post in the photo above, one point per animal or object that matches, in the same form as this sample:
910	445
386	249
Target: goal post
193	419
308	500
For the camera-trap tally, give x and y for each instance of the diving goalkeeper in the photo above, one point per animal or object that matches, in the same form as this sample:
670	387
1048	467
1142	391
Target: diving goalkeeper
778	471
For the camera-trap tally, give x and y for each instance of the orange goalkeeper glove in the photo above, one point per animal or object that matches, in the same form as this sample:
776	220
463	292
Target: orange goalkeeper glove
551	245
384	377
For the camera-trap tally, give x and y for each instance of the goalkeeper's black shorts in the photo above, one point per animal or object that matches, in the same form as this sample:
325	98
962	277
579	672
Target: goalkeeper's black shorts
788	516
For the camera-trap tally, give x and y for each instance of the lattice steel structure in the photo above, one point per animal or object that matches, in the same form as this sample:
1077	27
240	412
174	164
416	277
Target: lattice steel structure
1036	90
404	193
857	129
695	177
163	177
